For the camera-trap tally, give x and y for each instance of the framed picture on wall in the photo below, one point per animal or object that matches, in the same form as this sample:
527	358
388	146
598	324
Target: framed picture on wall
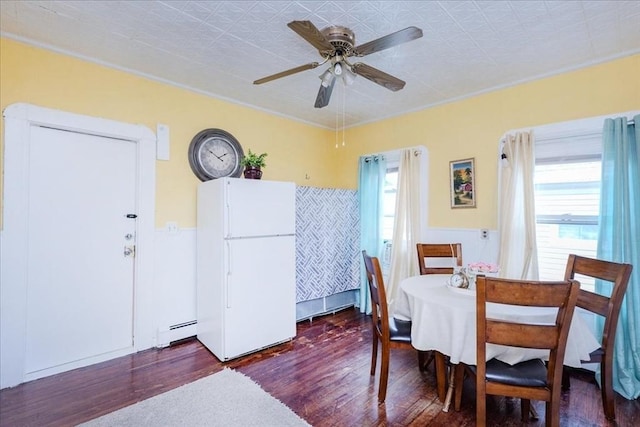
462	182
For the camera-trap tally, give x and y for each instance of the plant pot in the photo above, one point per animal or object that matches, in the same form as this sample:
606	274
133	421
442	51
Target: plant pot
252	172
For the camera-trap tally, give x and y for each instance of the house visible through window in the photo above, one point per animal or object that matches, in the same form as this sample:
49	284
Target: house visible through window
567	198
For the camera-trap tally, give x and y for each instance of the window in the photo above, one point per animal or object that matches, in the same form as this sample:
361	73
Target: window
389	202
567	198
388	215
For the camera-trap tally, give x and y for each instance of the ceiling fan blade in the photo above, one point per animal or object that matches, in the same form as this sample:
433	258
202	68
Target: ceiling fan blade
324	94
310	33
286	73
377	76
390	40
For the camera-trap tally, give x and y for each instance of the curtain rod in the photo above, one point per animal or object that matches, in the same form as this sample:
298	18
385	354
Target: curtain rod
417	151
374	157
629	122
577	123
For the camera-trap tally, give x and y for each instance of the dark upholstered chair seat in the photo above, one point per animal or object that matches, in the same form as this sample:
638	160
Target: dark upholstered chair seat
400	330
595	356
531	373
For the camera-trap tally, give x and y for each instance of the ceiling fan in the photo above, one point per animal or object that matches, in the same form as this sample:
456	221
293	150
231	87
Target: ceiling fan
336	44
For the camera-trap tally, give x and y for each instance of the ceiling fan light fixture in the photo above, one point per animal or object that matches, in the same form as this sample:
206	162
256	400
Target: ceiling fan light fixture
337	69
348	76
326	78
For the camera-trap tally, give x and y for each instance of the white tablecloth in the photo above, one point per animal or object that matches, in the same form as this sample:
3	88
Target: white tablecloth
444	319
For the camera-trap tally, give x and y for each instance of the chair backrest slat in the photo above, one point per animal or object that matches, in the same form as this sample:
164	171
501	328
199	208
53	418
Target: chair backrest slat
531	293
525	336
438	250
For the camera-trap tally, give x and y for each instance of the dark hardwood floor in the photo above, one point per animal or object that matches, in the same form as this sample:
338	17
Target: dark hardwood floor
322	375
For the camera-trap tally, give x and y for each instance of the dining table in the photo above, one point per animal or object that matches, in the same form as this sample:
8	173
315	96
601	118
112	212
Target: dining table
443	319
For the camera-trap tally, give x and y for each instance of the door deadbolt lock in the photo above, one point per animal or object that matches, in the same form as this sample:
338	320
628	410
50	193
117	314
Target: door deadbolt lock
128	236
129	251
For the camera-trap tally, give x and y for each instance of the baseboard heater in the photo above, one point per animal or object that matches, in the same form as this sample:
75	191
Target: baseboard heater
177	332
307	310
182	325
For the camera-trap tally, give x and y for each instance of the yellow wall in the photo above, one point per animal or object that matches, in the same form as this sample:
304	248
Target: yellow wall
462	129
473	127
43	78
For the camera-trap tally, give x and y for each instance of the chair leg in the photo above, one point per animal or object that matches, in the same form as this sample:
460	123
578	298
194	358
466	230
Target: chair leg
552	412
525	409
441	376
566	378
481	404
606	389
424	359
374	353
459	383
450	389
384	374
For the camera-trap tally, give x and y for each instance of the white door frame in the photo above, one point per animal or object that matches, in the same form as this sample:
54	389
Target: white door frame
18	120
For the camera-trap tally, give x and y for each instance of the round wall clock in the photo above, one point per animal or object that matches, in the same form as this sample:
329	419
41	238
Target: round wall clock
214	153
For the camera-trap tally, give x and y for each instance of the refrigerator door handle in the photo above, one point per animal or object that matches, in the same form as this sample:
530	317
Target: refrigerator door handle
228	275
228	207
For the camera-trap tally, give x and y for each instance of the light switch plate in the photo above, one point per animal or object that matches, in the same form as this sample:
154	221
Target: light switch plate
162	142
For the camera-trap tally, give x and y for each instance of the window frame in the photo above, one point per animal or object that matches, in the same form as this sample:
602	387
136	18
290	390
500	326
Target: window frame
564	143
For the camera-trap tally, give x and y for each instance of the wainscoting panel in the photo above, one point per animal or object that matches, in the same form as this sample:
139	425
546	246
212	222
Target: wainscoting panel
474	249
175	285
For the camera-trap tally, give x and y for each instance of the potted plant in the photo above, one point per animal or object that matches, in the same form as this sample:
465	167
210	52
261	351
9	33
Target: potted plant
253	164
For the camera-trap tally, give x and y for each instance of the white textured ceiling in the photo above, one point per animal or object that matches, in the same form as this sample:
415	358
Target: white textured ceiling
220	47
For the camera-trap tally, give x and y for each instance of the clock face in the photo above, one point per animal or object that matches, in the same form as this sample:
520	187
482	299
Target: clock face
459	280
214	153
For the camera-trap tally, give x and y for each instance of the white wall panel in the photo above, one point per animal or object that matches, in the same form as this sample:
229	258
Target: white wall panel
175	283
474	249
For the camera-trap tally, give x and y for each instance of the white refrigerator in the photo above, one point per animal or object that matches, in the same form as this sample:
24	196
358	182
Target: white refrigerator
246	287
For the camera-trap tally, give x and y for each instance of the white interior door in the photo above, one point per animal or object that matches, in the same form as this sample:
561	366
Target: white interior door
80	287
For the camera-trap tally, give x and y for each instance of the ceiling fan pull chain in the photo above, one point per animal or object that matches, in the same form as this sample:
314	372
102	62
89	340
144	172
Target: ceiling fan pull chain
336	128
344	96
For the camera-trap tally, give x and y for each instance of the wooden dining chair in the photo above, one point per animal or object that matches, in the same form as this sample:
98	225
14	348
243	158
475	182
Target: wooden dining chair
438	250
387	331
609	308
532	379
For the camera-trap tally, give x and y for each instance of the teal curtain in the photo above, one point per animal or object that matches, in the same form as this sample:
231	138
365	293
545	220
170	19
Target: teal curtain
619	241
371	175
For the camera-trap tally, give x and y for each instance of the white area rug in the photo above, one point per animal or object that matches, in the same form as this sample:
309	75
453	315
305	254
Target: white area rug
227	398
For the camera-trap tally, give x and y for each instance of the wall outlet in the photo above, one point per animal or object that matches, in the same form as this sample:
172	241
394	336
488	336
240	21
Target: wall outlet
172	227
484	234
